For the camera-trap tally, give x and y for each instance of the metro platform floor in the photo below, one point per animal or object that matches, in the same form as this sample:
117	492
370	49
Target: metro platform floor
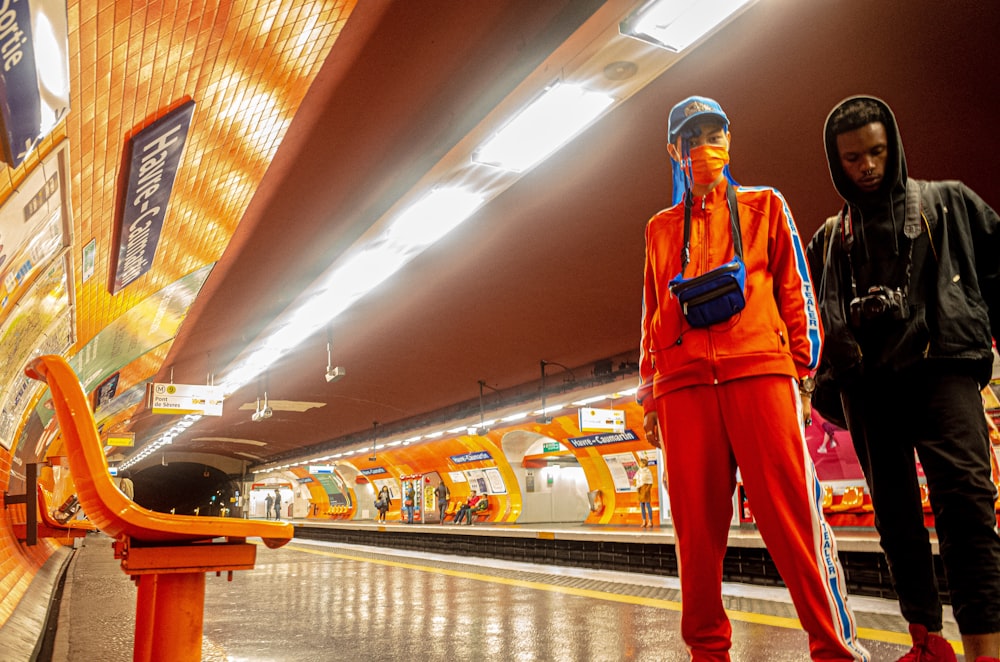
336	602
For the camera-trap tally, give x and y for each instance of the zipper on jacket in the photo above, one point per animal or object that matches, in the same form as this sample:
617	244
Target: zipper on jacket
706	246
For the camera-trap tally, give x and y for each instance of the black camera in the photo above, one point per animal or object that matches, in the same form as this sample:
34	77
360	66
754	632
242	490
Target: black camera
880	302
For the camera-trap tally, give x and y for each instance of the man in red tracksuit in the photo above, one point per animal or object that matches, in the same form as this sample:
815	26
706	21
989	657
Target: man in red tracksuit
722	393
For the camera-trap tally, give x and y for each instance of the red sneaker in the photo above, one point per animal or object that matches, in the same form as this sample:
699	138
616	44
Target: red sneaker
928	647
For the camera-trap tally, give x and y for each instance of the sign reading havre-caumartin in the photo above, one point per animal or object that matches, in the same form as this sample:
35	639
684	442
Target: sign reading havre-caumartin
152	159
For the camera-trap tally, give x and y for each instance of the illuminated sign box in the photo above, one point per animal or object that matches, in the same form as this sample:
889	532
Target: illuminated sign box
602	420
187	399
123	439
153	157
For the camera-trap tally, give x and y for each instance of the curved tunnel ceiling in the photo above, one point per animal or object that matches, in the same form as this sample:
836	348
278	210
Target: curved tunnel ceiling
313	118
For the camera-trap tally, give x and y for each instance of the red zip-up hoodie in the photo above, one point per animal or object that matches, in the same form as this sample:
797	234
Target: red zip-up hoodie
779	330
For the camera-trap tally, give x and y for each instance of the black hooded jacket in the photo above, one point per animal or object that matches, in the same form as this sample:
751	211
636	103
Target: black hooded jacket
936	242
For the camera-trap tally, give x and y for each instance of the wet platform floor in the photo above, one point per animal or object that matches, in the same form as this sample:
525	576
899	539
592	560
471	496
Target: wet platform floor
338	602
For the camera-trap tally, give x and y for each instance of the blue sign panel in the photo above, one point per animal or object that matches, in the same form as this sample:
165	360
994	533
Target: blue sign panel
154	155
34	92
603	439
374	472
478	456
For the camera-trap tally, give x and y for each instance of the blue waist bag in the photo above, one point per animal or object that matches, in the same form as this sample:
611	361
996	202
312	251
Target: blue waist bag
718	294
714	296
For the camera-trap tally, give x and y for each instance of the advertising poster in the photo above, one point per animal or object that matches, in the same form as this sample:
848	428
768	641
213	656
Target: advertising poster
832	451
43	322
387	482
477	481
495	481
623	468
34	227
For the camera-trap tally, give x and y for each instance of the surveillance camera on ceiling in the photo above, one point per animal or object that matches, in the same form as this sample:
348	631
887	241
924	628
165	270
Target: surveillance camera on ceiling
261	414
333	374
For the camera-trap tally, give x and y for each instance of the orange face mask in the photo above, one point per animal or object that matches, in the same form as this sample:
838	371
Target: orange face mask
707	162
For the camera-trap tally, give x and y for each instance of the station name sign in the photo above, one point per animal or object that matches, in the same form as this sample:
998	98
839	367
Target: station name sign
34	73
477	456
187	399
153	157
602	439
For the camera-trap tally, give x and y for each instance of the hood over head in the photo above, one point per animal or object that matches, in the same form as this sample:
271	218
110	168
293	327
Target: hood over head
854	113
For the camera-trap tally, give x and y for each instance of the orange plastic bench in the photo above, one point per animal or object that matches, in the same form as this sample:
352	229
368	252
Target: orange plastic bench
46	518
48	526
166	555
853	499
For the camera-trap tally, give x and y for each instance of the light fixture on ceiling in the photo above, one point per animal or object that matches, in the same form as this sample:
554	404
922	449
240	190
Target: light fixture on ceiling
261	413
433	216
545	419
482	430
550	121
374	455
676	24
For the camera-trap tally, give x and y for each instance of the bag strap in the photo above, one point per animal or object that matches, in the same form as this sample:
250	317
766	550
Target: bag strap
734	225
831	222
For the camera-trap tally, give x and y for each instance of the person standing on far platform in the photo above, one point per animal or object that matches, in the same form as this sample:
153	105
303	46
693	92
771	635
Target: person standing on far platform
126	485
442	494
277	504
730	338
267	506
909	293
644	492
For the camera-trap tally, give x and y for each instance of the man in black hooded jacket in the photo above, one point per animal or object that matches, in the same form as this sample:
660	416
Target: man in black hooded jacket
909	290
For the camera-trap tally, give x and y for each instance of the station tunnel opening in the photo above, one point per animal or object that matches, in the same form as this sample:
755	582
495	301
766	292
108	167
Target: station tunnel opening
186	488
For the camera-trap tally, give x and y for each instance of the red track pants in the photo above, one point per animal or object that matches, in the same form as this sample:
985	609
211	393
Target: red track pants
754	423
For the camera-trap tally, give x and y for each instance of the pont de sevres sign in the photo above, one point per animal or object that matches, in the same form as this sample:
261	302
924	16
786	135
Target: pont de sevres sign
187	399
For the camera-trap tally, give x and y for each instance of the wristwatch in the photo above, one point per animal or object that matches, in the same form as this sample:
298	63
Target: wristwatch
807	385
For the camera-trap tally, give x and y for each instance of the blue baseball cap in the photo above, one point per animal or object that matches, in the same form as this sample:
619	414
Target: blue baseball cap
691	109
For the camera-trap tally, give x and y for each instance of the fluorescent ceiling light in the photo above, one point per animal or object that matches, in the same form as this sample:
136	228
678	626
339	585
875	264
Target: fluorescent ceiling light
548	410
433	216
515	417
587	401
550	121
676	24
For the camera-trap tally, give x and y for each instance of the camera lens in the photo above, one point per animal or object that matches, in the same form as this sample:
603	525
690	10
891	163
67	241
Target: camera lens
873	306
